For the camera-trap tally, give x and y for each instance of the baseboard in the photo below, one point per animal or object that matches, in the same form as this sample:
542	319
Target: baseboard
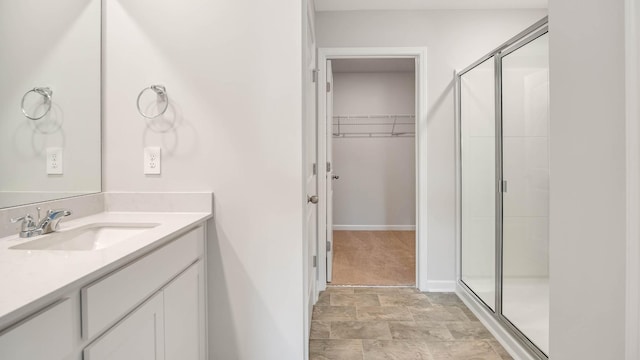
513	347
440	286
374	227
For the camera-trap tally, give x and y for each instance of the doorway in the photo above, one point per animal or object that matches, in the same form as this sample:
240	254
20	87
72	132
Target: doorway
372	144
370	141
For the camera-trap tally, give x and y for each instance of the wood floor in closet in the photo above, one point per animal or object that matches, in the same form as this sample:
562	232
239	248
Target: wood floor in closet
374	258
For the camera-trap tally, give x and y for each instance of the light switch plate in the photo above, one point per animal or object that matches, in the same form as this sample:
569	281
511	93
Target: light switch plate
54	161
152	160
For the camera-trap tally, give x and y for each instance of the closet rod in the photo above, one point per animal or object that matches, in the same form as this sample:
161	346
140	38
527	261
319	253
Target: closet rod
373	124
373	135
386	116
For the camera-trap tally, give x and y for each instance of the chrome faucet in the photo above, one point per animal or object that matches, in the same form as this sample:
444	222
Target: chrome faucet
51	222
45	225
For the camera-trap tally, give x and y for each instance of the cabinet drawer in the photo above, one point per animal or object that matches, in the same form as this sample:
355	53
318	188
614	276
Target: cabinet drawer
110	298
47	335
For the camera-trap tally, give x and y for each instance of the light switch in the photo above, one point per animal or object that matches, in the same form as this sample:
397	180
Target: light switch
152	160
54	161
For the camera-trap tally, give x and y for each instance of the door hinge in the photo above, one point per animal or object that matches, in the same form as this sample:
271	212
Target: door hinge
315	261
328	86
328	166
328	245
315	169
504	186
314	75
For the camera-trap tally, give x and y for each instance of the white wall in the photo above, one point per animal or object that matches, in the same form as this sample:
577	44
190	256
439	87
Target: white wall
632	75
233	75
454	40
56	45
587	204
377	175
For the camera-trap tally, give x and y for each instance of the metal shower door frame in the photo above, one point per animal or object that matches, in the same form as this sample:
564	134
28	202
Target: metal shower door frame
525	37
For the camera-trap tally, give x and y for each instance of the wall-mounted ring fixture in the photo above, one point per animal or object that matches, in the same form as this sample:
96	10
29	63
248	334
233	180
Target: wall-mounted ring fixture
46	93
161	91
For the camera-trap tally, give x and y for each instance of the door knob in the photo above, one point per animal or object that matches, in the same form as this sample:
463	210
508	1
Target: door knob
312	199
335	177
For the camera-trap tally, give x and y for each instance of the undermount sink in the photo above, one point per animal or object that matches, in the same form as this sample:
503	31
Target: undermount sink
89	237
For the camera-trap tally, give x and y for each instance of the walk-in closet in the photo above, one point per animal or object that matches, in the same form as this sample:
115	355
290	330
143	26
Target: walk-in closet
373	148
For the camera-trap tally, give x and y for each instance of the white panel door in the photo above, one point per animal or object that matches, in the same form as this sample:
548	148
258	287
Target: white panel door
140	336
311	170
329	171
184	316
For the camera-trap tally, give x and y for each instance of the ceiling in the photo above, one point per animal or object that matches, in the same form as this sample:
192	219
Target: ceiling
347	5
372	65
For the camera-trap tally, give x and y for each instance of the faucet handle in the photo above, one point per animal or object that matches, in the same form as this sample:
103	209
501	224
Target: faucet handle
22	218
27	222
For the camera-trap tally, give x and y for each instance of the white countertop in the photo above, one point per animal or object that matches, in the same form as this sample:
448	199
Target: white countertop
31	279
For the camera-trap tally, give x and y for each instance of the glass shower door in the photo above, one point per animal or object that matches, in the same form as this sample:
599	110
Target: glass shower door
525	168
478	174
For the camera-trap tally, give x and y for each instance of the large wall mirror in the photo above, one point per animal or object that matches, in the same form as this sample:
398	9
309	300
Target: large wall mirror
50	72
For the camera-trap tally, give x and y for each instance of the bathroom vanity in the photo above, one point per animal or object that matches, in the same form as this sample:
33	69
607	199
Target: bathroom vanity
124	276
111	285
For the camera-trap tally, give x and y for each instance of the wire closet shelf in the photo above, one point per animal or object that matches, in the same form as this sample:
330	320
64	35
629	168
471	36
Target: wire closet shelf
370	126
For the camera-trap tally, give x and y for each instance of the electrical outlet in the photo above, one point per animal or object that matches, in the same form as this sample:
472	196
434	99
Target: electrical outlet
54	161
152	160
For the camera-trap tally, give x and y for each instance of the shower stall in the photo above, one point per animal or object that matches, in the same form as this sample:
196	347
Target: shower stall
503	185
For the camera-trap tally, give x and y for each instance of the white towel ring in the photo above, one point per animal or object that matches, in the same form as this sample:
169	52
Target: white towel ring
161	91
46	92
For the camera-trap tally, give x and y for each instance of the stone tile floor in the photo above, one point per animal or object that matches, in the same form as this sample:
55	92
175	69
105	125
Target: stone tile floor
352	323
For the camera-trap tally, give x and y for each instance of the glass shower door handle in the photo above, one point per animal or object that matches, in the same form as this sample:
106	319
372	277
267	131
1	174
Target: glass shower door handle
502	186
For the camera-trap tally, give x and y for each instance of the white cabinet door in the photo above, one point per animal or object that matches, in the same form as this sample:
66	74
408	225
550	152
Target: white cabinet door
185	316
140	336
47	335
